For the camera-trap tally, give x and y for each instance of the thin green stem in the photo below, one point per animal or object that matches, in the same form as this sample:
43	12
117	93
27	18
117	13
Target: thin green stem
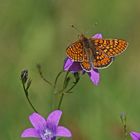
42	76
69	90
123	119
31	104
27	97
65	81
60	101
62	95
125	132
74	83
56	79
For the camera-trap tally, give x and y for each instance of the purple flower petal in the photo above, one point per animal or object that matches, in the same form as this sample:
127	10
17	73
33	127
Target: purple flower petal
135	135
98	36
72	66
37	121
67	64
63	132
30	132
54	117
94	76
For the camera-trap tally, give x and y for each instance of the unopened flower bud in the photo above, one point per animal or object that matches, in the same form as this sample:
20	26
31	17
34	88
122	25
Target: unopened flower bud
24	76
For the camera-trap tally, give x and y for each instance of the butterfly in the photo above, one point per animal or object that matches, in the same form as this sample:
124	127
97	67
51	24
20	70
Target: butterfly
95	53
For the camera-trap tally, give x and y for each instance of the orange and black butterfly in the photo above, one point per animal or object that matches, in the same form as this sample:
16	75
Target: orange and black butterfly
95	53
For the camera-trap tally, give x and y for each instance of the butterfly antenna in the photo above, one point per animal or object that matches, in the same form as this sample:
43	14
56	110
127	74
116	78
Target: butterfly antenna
76	29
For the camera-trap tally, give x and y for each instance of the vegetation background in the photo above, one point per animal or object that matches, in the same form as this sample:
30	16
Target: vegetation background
39	31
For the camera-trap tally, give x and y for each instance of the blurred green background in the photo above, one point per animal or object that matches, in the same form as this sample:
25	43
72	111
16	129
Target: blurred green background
39	31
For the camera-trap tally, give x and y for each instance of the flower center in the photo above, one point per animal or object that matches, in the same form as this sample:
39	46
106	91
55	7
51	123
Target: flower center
47	134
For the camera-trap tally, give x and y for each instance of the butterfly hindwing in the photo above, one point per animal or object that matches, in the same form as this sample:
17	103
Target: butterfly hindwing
86	65
101	60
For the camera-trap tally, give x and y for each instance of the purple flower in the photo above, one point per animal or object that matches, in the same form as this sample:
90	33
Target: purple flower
70	65
46	129
135	135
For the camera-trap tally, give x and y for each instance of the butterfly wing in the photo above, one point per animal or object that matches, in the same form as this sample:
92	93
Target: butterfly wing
111	47
101	60
86	65
76	51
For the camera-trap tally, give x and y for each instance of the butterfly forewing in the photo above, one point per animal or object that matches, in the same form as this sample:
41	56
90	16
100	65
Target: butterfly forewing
111	47
76	51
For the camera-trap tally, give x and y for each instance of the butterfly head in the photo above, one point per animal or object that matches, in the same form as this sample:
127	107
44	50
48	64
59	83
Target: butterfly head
85	41
82	37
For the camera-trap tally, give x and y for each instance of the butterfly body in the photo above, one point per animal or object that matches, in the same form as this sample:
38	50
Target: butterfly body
95	53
